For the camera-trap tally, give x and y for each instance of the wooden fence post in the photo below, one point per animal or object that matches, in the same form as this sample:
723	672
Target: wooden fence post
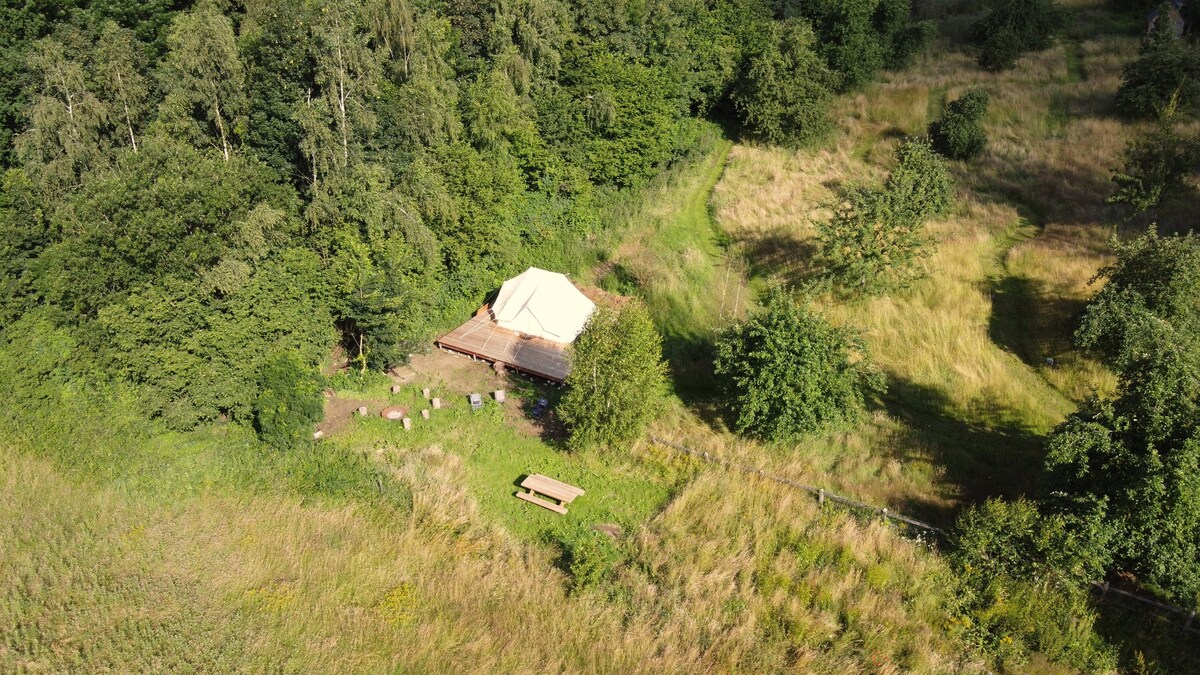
1188	626
821	496
1104	592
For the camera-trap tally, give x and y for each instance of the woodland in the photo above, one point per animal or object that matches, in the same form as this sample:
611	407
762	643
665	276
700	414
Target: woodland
933	254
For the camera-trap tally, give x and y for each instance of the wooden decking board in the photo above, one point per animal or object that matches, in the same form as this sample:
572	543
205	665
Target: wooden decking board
482	338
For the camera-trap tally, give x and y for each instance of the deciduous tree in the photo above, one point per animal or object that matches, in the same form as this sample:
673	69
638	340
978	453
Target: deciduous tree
789	372
204	80
959	134
289	401
784	94
617	379
1013	27
1132	464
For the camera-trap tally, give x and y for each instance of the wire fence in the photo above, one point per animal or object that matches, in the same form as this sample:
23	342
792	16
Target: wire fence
821	494
1107	593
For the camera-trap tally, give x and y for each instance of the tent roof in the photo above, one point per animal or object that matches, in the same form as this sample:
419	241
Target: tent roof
544	304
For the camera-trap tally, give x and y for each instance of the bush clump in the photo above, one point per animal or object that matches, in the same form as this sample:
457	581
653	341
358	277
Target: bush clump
789	372
1014	27
875	240
617	379
1164	80
958	134
289	401
592	560
785	93
1023	579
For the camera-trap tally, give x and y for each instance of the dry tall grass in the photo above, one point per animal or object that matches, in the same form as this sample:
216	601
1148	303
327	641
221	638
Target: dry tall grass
966	348
727	577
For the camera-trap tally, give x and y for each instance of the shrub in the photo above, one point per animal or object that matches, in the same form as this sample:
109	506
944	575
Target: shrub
289	401
958	134
1156	165
1023	585
859	37
789	372
1165	78
875	239
920	185
591	560
869	246
1135	460
617	377
1014	27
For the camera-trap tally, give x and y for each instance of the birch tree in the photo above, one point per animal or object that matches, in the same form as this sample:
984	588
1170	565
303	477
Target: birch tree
204	77
336	115
65	118
617	379
119	82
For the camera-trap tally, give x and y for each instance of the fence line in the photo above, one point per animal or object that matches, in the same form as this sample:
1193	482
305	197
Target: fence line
821	494
1190	625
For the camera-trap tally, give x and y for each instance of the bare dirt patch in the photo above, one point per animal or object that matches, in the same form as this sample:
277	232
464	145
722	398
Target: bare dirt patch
460	376
339	411
456	373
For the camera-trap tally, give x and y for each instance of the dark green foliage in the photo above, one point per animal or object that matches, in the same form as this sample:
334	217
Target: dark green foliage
202	184
857	38
875	241
196	350
617	379
1156	164
784	95
1024	585
175	213
1133	464
592	560
789	372
869	245
959	134
920	185
1014	27
289	401
626	116
24	232
1165	78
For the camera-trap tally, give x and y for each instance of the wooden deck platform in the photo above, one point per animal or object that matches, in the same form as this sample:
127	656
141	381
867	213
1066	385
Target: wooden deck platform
482	338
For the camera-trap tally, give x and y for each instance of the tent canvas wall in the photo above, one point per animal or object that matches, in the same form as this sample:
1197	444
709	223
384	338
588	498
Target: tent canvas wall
543	304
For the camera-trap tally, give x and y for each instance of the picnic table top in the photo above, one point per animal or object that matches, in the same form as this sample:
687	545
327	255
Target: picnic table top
550	487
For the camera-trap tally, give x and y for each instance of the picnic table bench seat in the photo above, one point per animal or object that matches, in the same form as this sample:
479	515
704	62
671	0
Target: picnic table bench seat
534	499
537	484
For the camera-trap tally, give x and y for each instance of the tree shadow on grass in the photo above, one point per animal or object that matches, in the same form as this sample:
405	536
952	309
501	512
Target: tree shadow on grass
1030	323
528	391
1067	193
1146	641
690	366
779	255
994	457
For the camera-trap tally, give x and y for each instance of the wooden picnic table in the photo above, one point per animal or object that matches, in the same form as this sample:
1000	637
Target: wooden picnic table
557	490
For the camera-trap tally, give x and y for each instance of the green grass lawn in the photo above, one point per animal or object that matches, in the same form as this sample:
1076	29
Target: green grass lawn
620	489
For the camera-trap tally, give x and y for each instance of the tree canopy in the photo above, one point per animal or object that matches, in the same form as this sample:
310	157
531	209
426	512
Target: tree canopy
875	240
789	372
192	185
617	379
1131	465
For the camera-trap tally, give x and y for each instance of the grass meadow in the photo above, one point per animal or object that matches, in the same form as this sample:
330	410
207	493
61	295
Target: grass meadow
129	548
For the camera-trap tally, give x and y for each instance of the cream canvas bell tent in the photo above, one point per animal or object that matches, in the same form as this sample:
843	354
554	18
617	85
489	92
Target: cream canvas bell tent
543	304
528	327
